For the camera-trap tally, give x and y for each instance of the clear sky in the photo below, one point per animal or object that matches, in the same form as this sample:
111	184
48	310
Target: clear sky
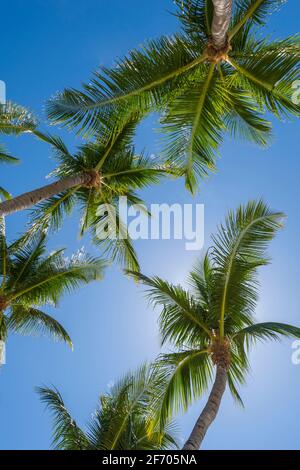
46	46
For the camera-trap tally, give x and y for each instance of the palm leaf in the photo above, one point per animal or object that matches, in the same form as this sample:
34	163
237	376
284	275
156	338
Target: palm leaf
66	433
196	16
30	321
239	249
252	11
136	83
7	158
55	275
183	377
180	321
266	331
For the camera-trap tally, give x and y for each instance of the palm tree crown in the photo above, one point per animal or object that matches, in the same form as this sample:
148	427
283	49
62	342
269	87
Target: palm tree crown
202	90
96	175
30	279
120	422
212	323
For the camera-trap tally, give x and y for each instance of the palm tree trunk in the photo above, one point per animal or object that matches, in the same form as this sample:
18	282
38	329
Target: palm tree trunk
27	200
221	21
209	412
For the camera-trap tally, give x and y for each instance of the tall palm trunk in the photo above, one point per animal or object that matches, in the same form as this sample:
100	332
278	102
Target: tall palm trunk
209	412
27	200
221	21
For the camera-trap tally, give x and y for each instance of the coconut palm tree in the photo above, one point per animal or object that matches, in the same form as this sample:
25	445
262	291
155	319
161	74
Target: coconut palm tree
94	177
120	422
31	279
206	81
212	324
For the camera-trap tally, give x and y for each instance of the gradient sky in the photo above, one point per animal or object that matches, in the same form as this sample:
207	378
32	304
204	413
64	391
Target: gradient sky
46	46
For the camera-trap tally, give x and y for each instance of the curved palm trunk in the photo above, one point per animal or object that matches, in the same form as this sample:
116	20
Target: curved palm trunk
221	21
209	412
27	200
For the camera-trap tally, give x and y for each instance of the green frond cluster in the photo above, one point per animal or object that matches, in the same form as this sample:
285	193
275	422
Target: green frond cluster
121	421
199	99
219	306
30	278
122	173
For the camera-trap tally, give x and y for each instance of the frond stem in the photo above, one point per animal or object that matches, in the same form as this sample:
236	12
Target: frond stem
249	75
199	112
148	87
245	18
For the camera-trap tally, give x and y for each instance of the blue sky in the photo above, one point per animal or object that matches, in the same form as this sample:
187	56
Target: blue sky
47	46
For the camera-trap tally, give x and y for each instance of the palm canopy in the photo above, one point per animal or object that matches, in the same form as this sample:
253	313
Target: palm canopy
116	170
202	92
212	322
30	279
119	423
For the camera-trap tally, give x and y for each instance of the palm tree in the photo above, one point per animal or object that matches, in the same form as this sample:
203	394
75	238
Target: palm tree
97	175
205	81
30	279
212	325
120	422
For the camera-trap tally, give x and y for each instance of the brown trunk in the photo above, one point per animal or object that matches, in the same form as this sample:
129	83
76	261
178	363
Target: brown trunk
27	200
209	412
221	22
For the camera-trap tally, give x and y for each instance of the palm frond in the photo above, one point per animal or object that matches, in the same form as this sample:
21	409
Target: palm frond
4	193
239	249
6	157
236	374
244	119
253	12
181	320
266	331
136	84
196	16
111	234
267	72
193	126
56	275
120	422
183	378
67	435
31	321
